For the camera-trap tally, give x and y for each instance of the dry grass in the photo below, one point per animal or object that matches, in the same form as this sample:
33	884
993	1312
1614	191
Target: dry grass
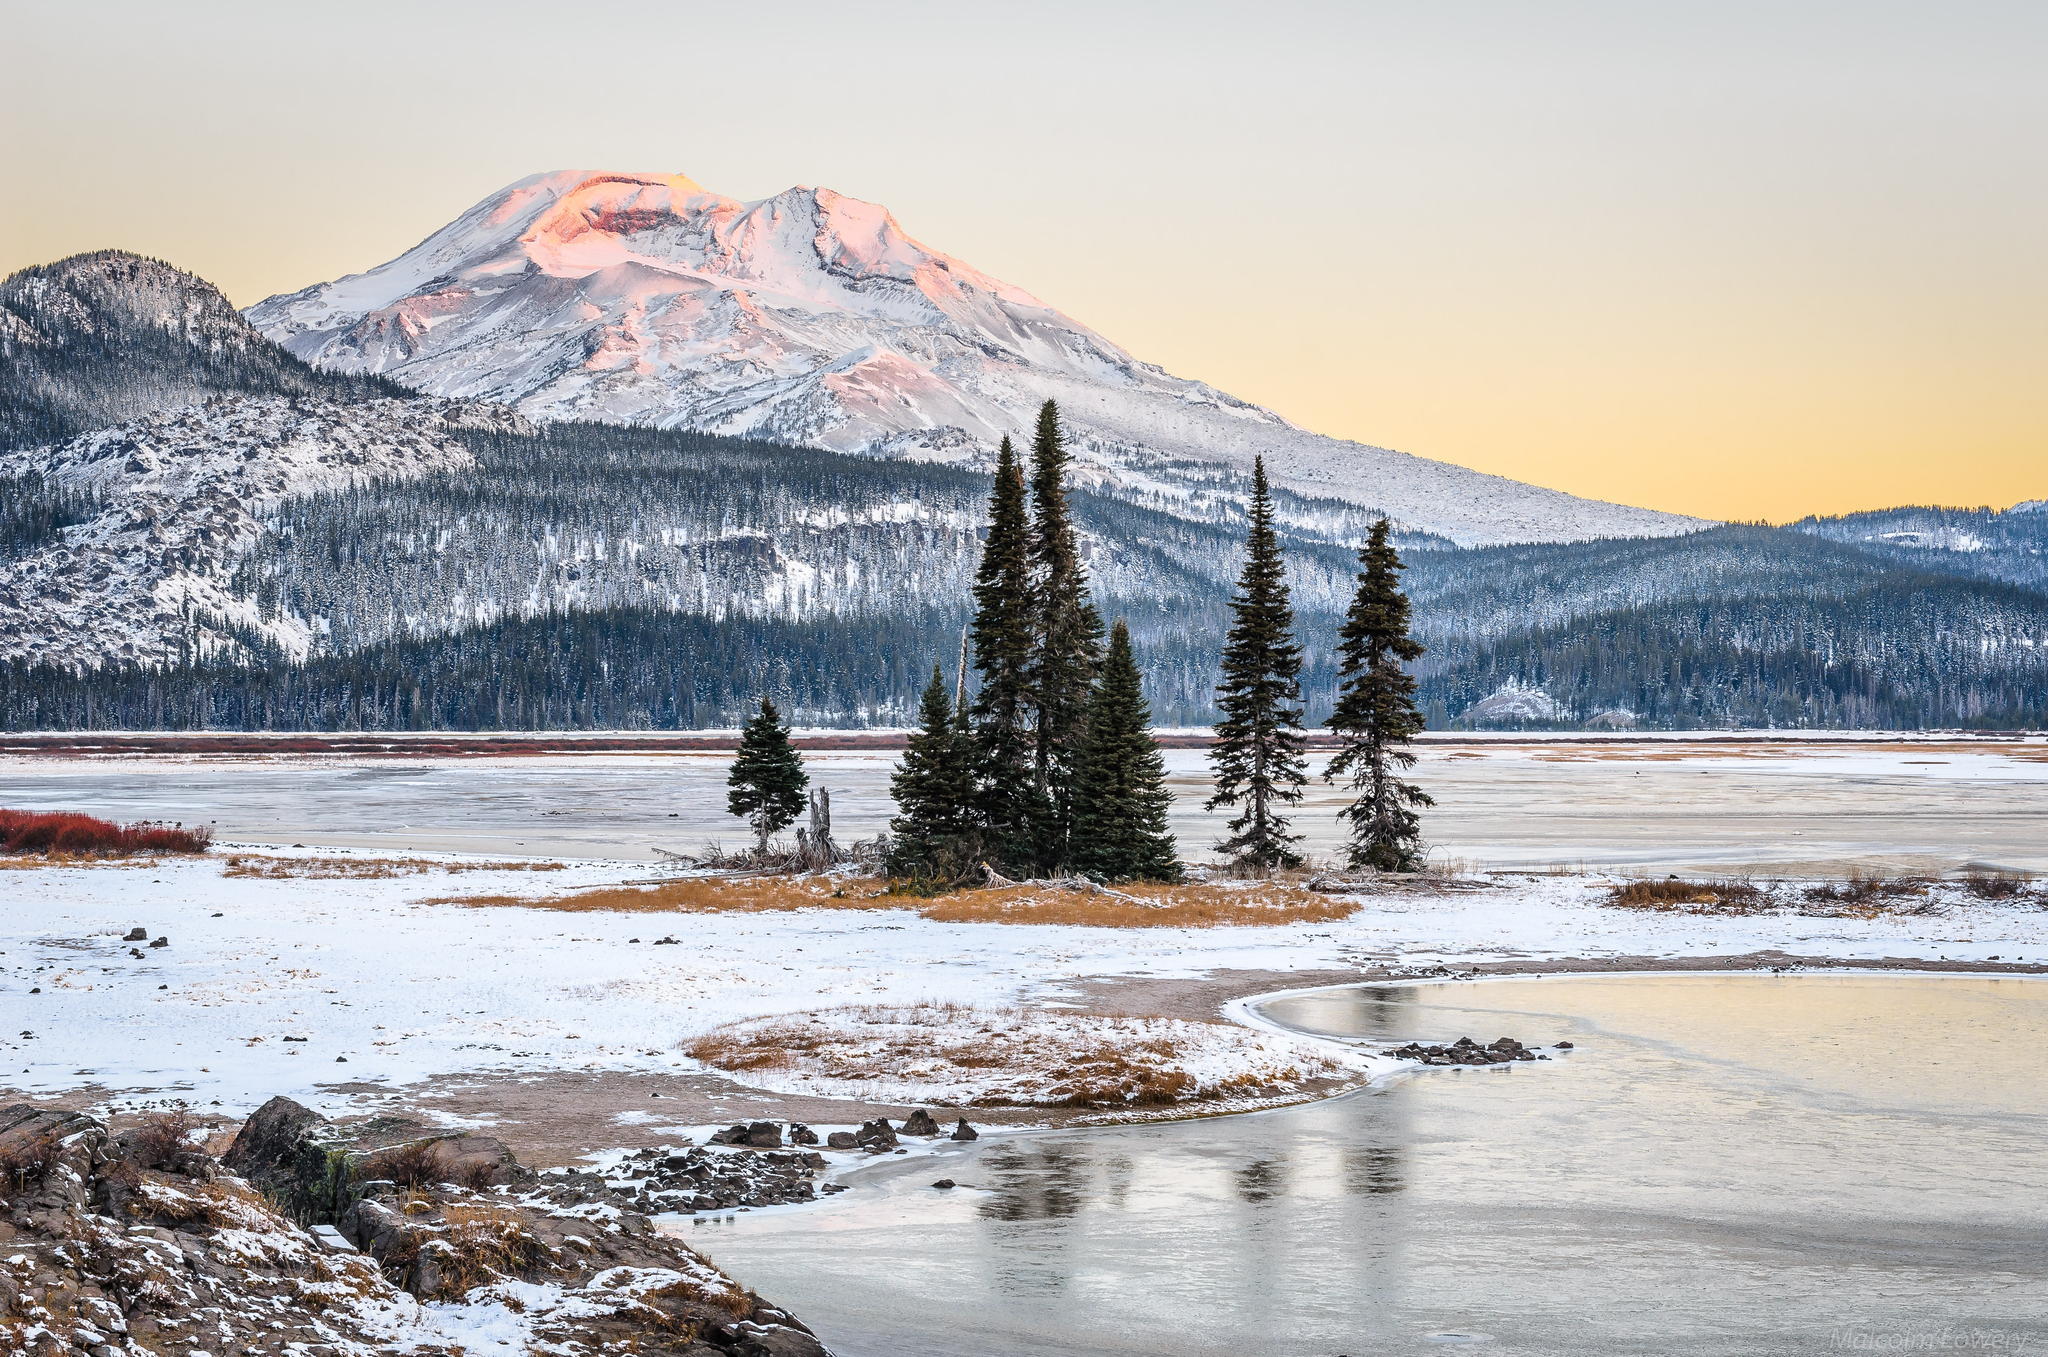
1994	885
480	1244
28	1159
423	1163
163	1136
1675	896
223	1204
366	869
1194	905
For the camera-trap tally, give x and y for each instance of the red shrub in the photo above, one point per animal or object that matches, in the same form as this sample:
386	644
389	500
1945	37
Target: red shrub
26	831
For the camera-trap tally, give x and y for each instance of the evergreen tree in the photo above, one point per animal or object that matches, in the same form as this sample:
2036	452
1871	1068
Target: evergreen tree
1120	780
1259	742
1067	636
1376	715
934	836
767	778
1002	633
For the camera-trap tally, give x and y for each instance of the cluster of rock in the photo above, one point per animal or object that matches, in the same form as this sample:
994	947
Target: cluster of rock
141	1243
876	1137
685	1179
1465	1051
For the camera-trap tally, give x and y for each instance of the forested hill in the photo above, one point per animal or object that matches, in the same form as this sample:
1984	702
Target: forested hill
1824	635
101	338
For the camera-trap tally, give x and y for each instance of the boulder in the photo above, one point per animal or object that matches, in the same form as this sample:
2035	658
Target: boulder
876	1135
841	1140
295	1157
920	1123
800	1134
763	1135
964	1132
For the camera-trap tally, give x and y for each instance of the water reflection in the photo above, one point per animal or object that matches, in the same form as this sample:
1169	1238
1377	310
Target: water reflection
1726	1165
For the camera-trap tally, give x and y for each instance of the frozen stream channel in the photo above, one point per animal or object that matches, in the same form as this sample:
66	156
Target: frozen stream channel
1727	1164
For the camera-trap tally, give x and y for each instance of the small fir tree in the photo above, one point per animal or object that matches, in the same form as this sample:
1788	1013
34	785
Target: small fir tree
1259	742
767	778
1067	641
1120	793
1002	633
1376	716
934	836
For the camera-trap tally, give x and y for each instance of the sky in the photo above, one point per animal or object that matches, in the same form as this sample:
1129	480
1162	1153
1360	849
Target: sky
1742	260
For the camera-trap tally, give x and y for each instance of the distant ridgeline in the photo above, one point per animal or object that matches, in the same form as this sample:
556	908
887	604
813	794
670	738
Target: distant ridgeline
300	550
701	571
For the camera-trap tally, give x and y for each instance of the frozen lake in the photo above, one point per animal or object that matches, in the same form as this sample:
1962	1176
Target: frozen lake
1921	805
1731	1164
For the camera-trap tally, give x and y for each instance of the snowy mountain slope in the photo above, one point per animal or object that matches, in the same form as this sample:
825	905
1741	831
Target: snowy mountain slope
181	496
100	338
811	318
2010	546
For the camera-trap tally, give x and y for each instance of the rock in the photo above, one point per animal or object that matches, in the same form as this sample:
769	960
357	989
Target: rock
736	1134
763	1135
296	1158
161	942
800	1134
480	1161
920	1123
137	935
945	1182
876	1136
964	1132
841	1140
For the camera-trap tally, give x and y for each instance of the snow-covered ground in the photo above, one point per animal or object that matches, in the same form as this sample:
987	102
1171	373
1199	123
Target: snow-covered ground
295	986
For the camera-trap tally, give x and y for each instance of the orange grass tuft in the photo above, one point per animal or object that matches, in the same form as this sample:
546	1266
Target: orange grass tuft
366	869
1199	905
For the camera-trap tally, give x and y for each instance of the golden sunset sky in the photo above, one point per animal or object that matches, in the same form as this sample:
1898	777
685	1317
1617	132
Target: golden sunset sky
1735	259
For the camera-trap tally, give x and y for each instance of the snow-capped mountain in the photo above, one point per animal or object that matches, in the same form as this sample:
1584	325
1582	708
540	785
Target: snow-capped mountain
811	318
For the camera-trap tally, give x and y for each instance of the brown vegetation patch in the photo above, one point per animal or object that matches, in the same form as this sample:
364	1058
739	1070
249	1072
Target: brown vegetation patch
367	869
1192	905
1673	895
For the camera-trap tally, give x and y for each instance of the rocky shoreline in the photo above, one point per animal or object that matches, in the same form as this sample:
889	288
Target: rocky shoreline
293	1242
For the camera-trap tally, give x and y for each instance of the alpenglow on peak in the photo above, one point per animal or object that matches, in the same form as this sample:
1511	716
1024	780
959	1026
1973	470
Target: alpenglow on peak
813	318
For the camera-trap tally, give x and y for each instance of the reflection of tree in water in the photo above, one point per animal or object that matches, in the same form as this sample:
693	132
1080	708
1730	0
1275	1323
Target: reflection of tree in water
1261	1180
1384	1010
1372	1169
1038	1182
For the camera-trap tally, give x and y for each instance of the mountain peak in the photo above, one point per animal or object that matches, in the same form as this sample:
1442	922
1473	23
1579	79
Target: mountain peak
813	317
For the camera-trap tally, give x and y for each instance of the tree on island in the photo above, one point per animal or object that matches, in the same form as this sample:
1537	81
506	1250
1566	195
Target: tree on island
1067	642
767	778
1259	742
1005	791
1120	799
1376	716
935	836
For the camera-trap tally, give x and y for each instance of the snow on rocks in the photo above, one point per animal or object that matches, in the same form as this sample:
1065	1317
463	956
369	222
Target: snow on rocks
141	1243
963	1056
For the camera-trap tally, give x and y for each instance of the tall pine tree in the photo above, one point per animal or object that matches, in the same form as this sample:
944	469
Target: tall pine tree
768	777
1120	790
934	836
1003	634
1067	639
1259	742
1376	715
